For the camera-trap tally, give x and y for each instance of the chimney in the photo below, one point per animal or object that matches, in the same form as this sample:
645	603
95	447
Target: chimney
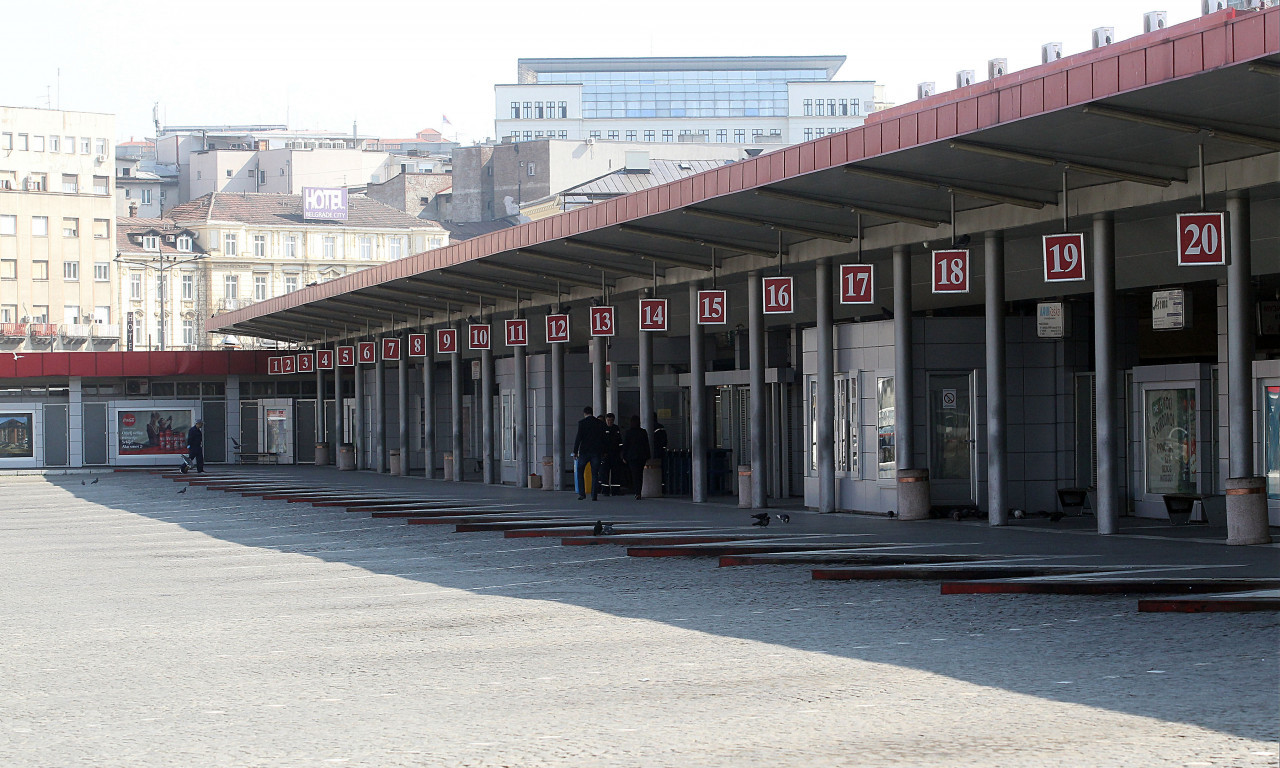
133	209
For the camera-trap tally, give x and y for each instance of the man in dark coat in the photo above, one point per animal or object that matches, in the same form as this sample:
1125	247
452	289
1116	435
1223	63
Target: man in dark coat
195	444
635	452
588	448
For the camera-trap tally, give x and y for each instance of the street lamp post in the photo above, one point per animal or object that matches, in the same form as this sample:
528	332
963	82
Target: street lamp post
163	264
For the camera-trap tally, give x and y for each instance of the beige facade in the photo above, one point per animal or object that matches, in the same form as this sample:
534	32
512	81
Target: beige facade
57	280
258	246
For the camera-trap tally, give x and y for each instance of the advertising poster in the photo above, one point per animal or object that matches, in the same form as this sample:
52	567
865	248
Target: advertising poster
277	430
886	443
15	436
152	432
1271	436
1171	440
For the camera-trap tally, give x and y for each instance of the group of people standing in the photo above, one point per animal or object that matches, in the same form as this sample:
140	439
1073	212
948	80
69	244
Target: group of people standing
613	454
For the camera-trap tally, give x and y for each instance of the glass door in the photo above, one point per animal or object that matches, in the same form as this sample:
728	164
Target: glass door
952	454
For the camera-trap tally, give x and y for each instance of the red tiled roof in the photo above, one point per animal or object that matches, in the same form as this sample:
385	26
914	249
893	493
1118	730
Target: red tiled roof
280	210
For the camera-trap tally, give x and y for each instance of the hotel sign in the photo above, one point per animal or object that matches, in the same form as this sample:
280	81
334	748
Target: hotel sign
325	203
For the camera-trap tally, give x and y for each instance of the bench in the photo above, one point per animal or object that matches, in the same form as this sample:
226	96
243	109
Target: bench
257	458
1181	508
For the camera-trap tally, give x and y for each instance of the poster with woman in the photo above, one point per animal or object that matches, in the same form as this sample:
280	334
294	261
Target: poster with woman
151	432
1171	440
15	436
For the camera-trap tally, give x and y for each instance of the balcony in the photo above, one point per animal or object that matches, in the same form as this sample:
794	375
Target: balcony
106	331
44	330
13	330
76	331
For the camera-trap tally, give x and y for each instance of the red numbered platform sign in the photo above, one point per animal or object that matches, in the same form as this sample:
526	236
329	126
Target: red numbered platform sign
557	329
447	341
602	321
517	332
477	337
857	284
417	345
306	363
653	314
713	307
391	348
288	364
1202	239
779	296
324	359
950	271
1063	258
346	356
365	351
274	366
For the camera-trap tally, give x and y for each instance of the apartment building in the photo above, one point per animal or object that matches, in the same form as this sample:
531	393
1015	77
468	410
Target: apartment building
249	247
57	211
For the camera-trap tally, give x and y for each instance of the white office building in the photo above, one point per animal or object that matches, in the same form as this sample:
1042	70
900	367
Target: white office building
738	100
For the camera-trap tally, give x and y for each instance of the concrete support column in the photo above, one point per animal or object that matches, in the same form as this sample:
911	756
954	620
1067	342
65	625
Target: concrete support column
557	416
339	418
697	398
599	345
997	449
379	438
75	421
826	421
645	371
402	405
357	438
1104	366
903	368
429	410
486	417
455	410
521	418
320	414
756	363
1240	339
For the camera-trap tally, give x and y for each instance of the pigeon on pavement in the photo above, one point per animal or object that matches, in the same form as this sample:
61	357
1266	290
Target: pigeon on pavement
184	490
82	482
95	481
784	518
761	519
598	528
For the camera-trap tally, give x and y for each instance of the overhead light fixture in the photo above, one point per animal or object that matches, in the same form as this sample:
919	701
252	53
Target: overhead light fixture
1089	168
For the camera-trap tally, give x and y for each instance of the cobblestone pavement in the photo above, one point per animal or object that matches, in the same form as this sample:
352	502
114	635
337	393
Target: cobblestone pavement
146	628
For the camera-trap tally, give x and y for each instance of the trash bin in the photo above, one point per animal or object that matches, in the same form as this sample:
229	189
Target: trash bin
1247	511
448	466
913	494
651	483
744	486
548	473
393	462
346	457
322	454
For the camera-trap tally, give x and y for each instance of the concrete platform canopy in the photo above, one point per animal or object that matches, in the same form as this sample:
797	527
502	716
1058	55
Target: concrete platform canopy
848	317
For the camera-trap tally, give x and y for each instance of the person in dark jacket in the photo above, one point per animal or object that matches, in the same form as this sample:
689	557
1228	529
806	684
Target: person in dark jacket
659	439
610	464
195	444
588	447
635	452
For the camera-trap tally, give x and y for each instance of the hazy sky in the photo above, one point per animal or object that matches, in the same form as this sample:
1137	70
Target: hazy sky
398	66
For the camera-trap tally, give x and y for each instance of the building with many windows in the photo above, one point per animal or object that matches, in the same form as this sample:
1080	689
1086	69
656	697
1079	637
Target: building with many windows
731	99
57	282
249	247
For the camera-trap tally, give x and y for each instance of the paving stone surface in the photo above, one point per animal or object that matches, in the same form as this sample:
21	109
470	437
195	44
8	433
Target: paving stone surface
143	627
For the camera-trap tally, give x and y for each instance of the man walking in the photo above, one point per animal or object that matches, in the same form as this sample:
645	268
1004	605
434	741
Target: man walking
195	444
588	446
612	454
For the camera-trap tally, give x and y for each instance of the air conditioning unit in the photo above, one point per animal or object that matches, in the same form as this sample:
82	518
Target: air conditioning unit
965	77
1155	20
100	159
925	90
1050	52
997	68
1104	36
6	184
137	387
